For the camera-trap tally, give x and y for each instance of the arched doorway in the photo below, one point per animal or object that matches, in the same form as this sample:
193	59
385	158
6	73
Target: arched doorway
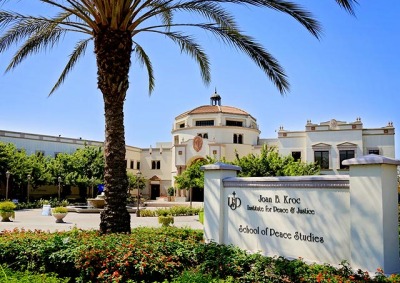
154	187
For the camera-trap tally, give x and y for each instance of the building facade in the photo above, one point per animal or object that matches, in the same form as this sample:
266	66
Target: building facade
222	131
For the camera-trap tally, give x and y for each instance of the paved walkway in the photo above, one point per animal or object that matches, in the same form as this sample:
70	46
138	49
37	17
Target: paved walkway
31	219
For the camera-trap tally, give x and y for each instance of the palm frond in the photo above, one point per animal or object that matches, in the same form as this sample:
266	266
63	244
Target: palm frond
78	52
348	5
189	46
209	10
256	52
77	9
165	12
26	26
144	59
301	15
39	41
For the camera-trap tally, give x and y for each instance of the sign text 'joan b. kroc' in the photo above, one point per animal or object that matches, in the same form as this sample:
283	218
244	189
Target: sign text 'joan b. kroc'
272	204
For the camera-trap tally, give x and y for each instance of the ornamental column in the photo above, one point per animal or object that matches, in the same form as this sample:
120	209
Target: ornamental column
374	213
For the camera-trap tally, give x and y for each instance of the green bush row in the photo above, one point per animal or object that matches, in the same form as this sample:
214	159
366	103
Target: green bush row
53	202
7	275
158	255
171	211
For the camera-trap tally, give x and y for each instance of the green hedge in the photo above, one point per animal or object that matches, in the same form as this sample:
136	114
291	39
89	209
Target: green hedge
157	255
8	275
171	211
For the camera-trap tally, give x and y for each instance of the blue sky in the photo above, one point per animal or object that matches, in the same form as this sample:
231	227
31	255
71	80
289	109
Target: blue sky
353	71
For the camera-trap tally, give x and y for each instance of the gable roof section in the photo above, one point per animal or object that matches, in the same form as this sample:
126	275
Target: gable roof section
320	145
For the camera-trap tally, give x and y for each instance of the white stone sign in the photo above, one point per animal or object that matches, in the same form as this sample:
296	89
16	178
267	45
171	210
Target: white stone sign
324	219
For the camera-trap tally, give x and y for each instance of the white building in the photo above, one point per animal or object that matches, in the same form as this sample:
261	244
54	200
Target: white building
221	131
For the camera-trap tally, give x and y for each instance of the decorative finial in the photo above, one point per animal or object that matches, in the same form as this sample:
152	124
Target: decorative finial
215	98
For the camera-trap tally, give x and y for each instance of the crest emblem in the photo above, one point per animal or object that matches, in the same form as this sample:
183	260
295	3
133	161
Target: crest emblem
234	202
197	143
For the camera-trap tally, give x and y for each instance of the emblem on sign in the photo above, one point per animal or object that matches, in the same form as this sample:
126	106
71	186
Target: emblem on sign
197	143
234	202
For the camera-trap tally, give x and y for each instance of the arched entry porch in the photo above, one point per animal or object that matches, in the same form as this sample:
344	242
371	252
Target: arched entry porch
154	187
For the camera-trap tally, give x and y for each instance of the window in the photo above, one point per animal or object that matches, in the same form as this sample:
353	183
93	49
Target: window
138	165
373	151
345	154
182	125
132	164
296	155
234	123
176	139
322	159
203	135
155	164
238	138
126	163
205	123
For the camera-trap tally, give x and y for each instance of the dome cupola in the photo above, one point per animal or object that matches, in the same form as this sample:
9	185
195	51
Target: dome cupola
215	99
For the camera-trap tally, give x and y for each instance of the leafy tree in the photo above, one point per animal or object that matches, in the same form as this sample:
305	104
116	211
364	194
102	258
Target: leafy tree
113	25
38	167
270	163
193	177
20	169
6	154
84	168
136	181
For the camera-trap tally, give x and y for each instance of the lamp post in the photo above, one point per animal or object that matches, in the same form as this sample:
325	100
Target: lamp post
138	175
8	177
59	188
27	189
91	183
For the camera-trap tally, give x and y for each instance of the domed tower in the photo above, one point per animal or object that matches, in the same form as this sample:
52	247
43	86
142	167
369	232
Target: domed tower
213	130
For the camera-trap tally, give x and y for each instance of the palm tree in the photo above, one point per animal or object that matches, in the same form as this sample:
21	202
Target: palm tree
113	25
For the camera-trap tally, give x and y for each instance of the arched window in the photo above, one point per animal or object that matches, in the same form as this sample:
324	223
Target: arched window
155	164
238	138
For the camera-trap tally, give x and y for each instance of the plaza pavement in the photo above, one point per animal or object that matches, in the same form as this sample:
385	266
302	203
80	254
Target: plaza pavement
32	219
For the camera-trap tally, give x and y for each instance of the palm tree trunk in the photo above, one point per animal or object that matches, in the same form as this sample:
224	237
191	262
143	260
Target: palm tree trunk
113	52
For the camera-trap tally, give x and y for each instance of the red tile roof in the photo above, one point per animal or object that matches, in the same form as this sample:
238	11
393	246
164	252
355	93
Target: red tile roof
208	109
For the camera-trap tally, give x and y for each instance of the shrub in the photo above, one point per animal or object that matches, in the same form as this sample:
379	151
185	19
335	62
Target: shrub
171	191
201	217
59	209
162	212
170	254
147	213
7	206
11	276
7	210
166	221
177	211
